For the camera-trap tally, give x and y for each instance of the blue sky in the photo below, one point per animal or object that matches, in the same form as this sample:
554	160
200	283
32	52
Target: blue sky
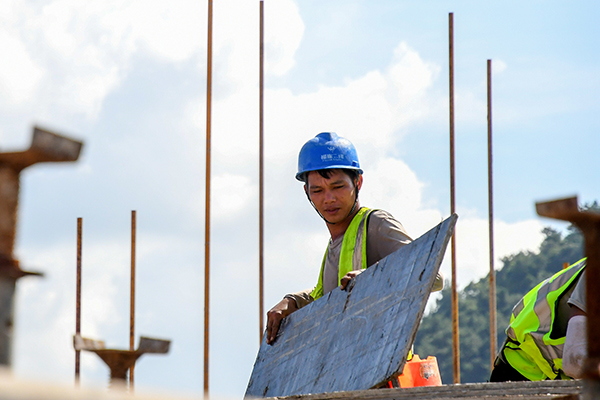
129	79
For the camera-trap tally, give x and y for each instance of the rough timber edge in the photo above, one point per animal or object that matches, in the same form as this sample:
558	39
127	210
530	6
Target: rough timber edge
490	391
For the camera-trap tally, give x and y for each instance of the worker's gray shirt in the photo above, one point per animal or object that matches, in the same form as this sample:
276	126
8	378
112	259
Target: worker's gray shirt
385	235
574	296
578	298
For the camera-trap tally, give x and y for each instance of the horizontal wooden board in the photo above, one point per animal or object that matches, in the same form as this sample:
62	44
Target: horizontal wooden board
491	391
357	338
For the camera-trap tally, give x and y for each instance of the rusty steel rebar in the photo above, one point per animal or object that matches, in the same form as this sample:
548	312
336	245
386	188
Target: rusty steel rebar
261	180
207	198
78	299
492	275
132	297
455	328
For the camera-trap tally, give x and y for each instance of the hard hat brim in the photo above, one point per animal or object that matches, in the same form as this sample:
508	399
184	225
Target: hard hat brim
300	174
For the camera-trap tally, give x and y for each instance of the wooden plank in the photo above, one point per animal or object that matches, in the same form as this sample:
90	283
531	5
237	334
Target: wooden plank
358	338
500	391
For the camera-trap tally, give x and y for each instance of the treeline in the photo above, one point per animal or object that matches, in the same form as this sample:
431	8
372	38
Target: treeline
519	274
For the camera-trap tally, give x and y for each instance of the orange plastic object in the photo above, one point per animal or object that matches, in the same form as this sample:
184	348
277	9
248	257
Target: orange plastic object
419	372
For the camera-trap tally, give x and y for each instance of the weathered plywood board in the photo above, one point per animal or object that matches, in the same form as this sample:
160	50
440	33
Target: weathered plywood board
359	338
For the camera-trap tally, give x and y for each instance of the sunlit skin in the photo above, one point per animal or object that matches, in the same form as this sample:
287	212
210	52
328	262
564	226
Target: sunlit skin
334	198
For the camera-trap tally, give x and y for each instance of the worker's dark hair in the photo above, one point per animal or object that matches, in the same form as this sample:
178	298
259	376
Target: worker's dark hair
326	173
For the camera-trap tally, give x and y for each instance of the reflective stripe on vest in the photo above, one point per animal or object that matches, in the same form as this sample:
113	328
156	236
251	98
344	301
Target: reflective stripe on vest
355	238
530	348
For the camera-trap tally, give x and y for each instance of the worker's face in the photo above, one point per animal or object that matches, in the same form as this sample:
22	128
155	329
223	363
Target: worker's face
334	196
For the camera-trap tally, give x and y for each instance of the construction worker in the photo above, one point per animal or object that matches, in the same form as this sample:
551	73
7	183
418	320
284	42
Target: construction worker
329	167
546	337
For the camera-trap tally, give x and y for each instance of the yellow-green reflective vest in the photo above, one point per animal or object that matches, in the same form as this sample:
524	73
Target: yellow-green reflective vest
353	252
531	348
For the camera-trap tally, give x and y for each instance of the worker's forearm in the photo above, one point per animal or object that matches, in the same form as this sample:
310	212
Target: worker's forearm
288	306
301	299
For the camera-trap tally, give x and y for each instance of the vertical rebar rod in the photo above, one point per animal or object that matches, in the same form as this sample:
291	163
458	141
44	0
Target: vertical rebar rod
261	179
455	331
492	275
132	297
207	198
78	299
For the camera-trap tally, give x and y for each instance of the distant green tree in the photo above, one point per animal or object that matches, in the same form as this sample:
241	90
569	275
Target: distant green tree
519	274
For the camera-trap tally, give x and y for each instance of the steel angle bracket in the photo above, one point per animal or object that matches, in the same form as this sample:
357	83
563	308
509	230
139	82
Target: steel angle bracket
45	146
119	361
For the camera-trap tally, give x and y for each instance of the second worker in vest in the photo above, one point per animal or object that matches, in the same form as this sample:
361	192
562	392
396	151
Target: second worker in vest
546	337
328	165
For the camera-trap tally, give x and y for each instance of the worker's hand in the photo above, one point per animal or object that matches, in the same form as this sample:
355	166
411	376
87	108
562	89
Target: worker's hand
348	277
274	316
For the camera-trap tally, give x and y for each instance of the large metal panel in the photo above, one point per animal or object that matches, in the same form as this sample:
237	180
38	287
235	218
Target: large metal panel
359	338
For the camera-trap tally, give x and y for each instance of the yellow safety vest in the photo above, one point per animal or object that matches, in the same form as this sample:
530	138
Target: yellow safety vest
531	348
353	252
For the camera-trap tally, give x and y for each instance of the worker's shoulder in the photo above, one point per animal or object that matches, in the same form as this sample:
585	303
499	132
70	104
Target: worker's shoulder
379	215
381	219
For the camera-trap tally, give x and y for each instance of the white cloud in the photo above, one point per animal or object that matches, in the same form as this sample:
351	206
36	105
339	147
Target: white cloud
233	193
283	33
498	66
84	50
411	77
19	74
393	186
511	238
372	111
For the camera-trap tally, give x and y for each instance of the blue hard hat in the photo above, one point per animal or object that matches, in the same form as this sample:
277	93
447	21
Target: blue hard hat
327	150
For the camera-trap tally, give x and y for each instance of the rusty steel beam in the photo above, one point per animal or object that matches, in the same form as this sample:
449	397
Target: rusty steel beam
45	146
589	223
